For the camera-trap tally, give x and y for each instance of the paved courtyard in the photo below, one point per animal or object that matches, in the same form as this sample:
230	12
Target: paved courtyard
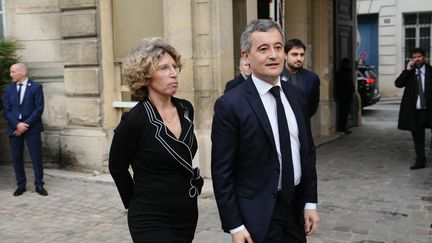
366	194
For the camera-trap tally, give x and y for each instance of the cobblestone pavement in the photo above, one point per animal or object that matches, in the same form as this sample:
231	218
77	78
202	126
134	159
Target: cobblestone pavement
366	193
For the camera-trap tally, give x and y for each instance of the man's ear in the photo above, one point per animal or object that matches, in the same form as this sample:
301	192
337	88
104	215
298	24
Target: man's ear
245	56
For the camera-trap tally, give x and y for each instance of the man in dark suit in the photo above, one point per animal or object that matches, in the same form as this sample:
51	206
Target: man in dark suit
416	106
23	104
295	74
263	157
244	75
343	94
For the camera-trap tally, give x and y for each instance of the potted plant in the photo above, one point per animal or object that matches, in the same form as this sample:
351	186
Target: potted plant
8	56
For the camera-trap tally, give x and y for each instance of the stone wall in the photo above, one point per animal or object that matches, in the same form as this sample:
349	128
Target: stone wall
69	49
84	141
208	57
36	24
62	53
391	37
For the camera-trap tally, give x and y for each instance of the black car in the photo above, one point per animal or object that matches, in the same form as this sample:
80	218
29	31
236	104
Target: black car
368	85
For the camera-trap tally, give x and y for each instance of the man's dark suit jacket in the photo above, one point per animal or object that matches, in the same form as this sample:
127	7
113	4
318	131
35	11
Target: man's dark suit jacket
234	82
408	79
31	108
311	88
245	162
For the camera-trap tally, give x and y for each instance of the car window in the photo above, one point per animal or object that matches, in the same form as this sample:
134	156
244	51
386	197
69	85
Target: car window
366	72
360	73
370	73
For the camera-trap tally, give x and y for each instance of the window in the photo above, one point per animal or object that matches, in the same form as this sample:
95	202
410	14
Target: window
417	32
1	19
147	18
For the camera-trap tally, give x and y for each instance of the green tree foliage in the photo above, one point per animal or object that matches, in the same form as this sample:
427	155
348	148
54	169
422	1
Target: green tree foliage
8	56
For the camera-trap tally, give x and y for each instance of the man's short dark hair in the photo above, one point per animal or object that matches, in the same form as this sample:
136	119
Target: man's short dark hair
257	25
293	43
417	50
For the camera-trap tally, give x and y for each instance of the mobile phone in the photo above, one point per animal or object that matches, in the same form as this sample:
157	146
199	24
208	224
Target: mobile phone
411	63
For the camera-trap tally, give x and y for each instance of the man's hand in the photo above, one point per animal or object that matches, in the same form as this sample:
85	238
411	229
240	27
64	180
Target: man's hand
410	64
241	237
16	133
22	127
311	220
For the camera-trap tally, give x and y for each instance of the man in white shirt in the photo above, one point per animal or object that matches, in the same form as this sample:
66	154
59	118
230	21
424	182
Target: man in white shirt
415	112
263	156
23	105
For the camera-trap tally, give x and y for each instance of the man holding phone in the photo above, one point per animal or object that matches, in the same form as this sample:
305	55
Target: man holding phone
415	112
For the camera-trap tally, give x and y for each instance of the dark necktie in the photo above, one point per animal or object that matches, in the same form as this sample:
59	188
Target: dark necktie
285	147
19	93
420	90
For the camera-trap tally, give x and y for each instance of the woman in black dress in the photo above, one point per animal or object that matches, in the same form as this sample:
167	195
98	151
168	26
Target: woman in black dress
156	138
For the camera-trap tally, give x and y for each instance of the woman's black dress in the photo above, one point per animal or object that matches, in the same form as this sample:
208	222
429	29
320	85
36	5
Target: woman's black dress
162	196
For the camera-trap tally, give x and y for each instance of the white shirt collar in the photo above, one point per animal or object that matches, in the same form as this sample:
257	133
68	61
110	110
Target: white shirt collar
24	82
262	86
422	69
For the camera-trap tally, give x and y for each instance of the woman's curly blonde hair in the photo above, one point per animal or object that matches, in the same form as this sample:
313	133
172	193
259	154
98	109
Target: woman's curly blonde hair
142	60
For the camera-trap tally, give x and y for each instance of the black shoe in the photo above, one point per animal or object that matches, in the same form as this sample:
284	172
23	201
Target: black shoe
19	191
416	166
347	132
41	191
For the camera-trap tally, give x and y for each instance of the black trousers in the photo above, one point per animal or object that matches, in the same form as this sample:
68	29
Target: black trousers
422	121
344	107
287	222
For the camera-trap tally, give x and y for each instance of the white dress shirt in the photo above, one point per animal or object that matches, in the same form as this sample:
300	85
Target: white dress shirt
23	89
269	103
422	75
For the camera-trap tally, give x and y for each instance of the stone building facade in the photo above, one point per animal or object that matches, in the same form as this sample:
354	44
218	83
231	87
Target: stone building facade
394	36
75	48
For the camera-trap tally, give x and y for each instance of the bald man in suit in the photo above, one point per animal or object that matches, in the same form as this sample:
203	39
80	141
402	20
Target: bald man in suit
23	105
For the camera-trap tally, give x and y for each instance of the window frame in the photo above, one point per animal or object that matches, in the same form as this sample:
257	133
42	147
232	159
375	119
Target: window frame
3	19
417	38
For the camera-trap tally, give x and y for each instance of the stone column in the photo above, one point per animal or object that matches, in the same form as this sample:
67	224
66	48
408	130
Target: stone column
83	142
202	32
298	20
213	66
178	32
322	62
311	22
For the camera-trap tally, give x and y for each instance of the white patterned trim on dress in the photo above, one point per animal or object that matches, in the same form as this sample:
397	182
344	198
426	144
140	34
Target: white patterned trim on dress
159	127
186	116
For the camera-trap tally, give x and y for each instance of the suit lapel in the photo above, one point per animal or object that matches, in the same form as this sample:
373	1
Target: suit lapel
427	82
14	93
257	106
304	77
259	110
179	150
